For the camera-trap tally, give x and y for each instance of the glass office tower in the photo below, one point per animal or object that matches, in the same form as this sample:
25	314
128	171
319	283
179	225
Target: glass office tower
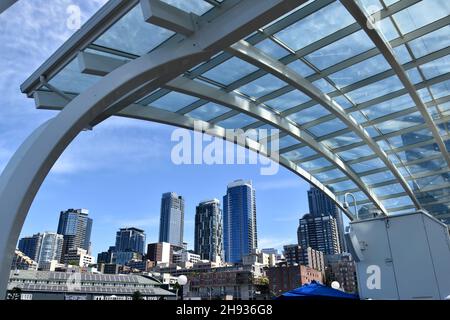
239	220
130	239
172	219
75	226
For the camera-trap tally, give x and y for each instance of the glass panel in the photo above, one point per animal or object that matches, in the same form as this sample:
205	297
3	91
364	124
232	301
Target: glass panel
360	71
389	106
430	42
272	49
356	153
208	111
437	67
300	153
316	26
441	89
198	7
414	75
315	164
301	68
368	165
387	29
400	123
343	102
439	179
309	114
324	86
397	202
230	71
344	185
237	121
329	175
327	127
288	100
420	14
402	54
70	79
340	50
411	138
133	35
287	141
388	190
376	89
173	101
342	140
262	86
378	177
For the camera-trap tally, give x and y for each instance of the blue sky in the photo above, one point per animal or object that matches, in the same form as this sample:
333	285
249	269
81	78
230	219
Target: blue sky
120	169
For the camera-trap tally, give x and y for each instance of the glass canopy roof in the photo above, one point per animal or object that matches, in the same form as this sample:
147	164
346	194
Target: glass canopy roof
324	44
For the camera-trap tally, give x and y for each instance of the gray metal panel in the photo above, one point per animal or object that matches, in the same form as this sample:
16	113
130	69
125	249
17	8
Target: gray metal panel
373	240
439	244
412	260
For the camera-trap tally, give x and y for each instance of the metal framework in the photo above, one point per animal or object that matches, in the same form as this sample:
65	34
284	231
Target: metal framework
360	109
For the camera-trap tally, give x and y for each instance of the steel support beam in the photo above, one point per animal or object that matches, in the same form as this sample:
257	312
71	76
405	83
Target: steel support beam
98	65
5	4
168	17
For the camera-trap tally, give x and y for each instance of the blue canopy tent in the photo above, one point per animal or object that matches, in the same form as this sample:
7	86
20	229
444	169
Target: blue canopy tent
316	291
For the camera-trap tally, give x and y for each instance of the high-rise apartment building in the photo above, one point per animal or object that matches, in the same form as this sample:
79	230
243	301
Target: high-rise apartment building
239	221
295	254
75	226
30	246
130	239
320	204
172	219
208	241
42	247
319	233
51	248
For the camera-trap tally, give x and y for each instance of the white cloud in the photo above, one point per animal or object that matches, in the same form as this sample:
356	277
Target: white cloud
104	148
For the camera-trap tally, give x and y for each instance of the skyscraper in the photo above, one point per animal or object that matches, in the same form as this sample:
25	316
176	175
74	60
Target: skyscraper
51	248
208	230
75	226
320	204
239	220
130	240
172	219
319	233
30	246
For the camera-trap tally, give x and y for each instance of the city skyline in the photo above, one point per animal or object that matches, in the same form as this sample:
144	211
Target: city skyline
189	229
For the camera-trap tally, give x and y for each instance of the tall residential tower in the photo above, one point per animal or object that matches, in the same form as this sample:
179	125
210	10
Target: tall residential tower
172	219
239	221
321	205
208	230
75	226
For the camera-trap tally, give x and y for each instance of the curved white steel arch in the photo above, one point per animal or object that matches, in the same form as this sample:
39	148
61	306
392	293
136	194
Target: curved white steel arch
29	166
